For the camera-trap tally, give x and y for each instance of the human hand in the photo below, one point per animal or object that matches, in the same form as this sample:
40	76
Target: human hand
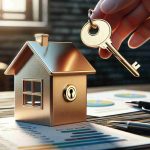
127	18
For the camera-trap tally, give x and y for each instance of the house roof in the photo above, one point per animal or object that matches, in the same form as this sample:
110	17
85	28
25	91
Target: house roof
56	58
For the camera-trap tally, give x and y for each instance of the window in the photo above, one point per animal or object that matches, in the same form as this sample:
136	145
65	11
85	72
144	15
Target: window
32	92
23	12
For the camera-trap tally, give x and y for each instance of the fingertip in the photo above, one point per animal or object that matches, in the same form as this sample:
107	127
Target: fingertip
97	13
131	45
104	53
135	41
107	6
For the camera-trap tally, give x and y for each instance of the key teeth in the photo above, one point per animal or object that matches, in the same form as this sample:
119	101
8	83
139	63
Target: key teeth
136	65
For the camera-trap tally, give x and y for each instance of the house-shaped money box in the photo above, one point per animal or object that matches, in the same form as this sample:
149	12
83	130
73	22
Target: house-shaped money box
50	82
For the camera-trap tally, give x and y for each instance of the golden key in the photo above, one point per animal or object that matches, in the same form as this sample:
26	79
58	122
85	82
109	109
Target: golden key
102	39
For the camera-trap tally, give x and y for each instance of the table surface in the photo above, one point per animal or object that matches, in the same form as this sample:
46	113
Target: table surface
7	108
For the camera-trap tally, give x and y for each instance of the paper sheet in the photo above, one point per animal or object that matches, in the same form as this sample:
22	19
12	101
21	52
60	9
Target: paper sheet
24	136
6	100
7	95
118	97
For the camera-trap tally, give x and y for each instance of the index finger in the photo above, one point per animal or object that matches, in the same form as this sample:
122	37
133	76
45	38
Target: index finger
97	13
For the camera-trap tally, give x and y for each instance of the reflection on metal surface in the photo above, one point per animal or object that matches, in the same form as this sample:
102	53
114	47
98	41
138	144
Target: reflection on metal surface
67	62
63	111
57	58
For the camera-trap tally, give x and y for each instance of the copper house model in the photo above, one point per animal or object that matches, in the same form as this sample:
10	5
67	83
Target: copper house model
50	82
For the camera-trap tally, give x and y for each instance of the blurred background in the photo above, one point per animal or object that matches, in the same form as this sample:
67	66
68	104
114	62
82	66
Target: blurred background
62	20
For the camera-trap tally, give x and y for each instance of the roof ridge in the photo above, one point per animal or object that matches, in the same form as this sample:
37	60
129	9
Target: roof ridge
62	58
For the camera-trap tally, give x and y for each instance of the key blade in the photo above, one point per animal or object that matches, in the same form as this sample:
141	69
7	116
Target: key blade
127	65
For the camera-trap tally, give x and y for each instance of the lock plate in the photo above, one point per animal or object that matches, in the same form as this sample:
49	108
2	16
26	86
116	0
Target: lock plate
70	93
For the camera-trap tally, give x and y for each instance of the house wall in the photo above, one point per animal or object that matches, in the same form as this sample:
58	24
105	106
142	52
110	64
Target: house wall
32	69
64	112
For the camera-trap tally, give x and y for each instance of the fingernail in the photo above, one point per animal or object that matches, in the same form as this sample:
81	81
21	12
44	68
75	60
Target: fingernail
135	42
108	6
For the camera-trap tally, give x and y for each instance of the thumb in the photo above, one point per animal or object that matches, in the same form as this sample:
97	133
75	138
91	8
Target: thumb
113	6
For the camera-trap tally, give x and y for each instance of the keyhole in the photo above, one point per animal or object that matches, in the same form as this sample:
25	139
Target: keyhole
71	93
